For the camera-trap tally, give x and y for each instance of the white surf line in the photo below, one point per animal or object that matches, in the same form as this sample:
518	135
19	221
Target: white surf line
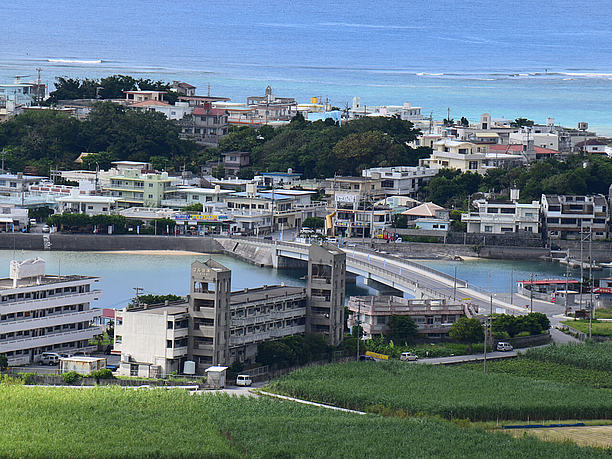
306	402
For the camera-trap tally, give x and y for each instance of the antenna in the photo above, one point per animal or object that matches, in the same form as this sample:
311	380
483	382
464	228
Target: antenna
38	84
208	89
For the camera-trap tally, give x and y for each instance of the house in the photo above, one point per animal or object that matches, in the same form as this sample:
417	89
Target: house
405	112
503	216
205	125
132	97
45	313
427	210
569	216
12	218
592	146
401	180
77	203
182	88
14	98
269	108
278	179
183	196
433	317
233	161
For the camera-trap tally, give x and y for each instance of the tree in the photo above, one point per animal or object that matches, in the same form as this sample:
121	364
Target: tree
464	122
3	362
467	331
103	160
313	222
402	329
448	122
218	172
153	299
276	354
197	207
521	122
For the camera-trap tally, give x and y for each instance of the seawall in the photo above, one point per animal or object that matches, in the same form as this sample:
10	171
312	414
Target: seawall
95	242
260	255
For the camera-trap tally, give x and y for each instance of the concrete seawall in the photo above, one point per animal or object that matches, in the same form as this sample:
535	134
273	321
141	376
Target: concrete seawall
260	255
93	242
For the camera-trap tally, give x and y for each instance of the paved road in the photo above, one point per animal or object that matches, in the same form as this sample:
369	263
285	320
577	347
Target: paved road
467	358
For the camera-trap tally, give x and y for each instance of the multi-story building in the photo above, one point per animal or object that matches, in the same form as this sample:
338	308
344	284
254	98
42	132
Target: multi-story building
16	184
433	317
136	189
568	216
401	180
503	216
183	196
406	111
355	206
468	156
215	326
41	312
15	97
12	218
268	108
206	124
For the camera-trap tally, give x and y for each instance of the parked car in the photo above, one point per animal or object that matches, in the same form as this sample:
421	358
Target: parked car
503	346
409	356
46	229
32	222
365	358
65	355
244	380
49	358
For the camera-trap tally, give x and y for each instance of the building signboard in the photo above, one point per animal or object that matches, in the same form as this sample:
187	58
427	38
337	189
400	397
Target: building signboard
346	197
201	217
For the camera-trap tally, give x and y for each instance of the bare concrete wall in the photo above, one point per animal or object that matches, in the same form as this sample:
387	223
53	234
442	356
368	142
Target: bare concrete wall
93	242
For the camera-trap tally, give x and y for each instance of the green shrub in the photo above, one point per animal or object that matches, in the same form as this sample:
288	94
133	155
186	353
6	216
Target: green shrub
72	377
523	333
28	379
597	356
104	373
501	335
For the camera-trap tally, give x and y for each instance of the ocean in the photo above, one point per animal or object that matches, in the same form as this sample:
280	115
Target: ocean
533	59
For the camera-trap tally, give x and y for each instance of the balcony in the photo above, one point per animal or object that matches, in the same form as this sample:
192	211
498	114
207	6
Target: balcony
49	321
177	333
177	352
50	339
49	302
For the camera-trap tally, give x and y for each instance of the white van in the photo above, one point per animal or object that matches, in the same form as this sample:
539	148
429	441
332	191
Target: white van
409	357
503	346
49	358
244	380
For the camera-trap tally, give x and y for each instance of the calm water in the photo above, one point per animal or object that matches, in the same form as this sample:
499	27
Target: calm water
532	58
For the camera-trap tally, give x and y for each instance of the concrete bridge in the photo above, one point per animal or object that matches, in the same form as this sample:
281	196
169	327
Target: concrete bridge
384	272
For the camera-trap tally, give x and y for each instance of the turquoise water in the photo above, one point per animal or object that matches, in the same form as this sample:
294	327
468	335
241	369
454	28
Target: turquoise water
532	58
157	274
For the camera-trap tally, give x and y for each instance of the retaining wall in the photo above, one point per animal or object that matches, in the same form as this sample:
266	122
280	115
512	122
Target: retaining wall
101	242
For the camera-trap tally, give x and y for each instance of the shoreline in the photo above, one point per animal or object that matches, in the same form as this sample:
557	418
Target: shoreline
152	252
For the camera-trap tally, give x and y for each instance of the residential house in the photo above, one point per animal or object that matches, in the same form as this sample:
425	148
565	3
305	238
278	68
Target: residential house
233	161
205	125
503	216
77	203
401	180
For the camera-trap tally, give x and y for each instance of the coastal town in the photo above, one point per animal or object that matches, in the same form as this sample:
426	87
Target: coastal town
353	202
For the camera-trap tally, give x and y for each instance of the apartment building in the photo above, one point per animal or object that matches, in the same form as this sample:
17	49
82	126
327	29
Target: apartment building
503	216
134	188
15	97
433	317
355	206
401	180
565	217
206	124
12	218
183	196
40	312
215	326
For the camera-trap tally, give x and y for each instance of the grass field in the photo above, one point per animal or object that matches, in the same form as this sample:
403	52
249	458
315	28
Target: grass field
550	371
603	313
599	328
444	391
596	356
114	422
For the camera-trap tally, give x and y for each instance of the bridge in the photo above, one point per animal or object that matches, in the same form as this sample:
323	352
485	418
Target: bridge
384	272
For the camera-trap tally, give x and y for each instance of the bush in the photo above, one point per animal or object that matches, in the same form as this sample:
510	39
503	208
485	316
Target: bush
28	378
72	377
104	373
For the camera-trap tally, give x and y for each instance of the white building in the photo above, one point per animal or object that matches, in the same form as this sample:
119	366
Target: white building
568	216
12	218
406	111
502	216
184	196
86	204
45	313
401	180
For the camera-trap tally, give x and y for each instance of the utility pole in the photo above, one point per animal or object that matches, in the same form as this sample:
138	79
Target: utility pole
486	332
531	295
138	290
581	264
566	281
512	286
358	325
3	154
591	281
455	285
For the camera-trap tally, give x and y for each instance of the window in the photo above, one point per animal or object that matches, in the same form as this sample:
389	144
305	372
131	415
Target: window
488	229
118	339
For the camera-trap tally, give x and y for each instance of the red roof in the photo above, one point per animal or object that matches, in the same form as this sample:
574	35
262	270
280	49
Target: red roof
204	98
108	313
209	111
515	148
548	281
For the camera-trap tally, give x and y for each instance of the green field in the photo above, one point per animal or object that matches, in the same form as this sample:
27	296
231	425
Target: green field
598	328
596	356
115	422
550	371
603	313
449	392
